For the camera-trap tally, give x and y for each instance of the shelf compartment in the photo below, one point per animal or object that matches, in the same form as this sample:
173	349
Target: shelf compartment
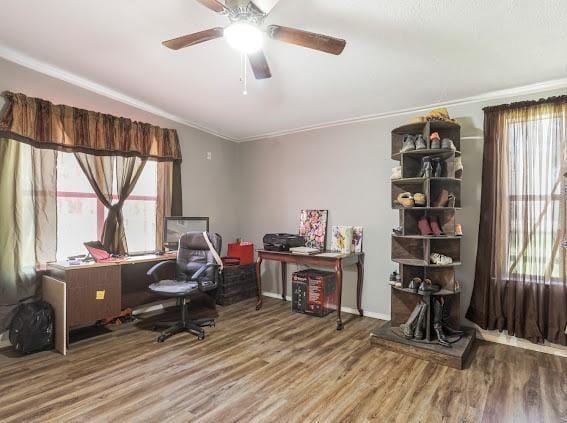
409	219
411	163
450	248
413	186
409	251
445	129
437	185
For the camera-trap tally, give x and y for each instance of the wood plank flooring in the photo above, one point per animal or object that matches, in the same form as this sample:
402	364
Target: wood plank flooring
273	365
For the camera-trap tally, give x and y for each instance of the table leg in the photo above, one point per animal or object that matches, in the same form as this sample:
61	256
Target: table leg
284	280
359	283
339	277
259	283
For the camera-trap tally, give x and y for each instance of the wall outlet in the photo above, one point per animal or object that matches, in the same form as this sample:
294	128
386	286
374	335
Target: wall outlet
209	155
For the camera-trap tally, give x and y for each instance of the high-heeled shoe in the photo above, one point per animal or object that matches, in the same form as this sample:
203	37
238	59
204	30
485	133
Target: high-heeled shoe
419	332
420	143
435	141
442	199
414	284
424	226
408	144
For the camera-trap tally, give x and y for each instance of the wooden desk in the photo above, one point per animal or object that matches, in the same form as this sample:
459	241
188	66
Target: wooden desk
96	291
336	263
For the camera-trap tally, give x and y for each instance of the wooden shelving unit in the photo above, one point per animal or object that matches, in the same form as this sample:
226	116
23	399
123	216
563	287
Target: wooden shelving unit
411	250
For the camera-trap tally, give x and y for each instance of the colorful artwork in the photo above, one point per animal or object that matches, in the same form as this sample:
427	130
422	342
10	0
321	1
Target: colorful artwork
357	233
341	240
313	226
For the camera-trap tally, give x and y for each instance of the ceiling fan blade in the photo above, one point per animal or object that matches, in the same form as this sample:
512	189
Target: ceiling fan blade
214	5
260	65
298	37
192	39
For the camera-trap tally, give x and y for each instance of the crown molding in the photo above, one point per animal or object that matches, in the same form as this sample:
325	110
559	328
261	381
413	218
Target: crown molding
555	84
61	74
74	79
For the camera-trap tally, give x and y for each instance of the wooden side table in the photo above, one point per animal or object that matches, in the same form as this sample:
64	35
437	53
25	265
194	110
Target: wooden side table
318	260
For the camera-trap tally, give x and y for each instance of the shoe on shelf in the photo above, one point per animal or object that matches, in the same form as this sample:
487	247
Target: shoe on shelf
420	328
435	227
452	200
398	230
437	258
414	284
408	144
428	287
435	141
393	276
424	226
408	327
445	317
447	144
458	167
405	199
458	229
438	325
437	163
426	170
396	173
419	199
442	199
420	143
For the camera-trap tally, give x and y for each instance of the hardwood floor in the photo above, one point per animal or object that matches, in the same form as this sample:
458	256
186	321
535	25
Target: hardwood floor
273	365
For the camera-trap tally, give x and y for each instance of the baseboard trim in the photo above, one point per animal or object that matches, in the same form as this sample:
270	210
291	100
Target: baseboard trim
512	341
344	309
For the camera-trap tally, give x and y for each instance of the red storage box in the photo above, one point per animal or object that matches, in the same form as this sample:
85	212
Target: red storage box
244	251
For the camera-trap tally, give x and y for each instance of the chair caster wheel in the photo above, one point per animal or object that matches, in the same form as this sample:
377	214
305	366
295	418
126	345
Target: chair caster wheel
161	339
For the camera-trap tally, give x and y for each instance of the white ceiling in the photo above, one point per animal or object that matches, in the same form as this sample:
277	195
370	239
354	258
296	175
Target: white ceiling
400	54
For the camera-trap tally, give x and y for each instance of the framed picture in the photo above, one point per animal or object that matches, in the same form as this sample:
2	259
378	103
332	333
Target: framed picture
357	235
341	239
313	226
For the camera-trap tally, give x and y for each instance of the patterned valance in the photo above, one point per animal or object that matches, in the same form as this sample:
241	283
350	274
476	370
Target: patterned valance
45	125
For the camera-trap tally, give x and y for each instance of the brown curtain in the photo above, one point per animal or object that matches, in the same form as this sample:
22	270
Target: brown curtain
102	172
28	216
45	125
169	196
520	282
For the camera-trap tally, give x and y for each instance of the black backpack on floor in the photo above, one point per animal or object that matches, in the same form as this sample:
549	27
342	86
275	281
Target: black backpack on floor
32	327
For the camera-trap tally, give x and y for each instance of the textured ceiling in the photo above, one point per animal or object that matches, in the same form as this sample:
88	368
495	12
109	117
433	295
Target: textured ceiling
400	54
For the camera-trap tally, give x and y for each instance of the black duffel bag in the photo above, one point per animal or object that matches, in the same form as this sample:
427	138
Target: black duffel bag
32	327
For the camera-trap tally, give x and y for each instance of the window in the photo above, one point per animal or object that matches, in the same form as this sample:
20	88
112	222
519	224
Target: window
535	153
81	215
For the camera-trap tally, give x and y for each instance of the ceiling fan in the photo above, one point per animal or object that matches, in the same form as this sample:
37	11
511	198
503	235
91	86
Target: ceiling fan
246	35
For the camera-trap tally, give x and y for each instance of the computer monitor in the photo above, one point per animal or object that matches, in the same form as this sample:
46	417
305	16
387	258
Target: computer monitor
176	226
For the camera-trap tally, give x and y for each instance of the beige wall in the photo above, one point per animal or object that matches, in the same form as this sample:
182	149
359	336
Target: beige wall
207	184
253	188
346	170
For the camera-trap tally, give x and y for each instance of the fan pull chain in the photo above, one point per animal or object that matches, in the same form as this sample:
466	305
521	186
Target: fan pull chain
244	74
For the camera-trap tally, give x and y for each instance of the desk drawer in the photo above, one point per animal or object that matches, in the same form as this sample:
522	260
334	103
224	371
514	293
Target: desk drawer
92	294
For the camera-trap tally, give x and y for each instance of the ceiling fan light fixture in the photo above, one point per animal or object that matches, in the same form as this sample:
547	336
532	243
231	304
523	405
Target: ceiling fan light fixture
244	37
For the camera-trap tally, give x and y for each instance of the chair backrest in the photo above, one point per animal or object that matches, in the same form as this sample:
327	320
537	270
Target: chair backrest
194	252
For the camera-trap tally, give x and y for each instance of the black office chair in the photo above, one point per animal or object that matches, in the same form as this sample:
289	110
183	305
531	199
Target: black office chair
196	271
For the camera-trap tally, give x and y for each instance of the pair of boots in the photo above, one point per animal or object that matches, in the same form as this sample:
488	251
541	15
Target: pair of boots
414	328
429	226
431	167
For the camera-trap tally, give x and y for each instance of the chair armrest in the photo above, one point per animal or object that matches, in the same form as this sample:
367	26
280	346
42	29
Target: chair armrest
198	274
160	268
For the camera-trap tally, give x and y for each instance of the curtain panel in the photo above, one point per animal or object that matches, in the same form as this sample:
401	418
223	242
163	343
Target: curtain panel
45	125
520	280
28	212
